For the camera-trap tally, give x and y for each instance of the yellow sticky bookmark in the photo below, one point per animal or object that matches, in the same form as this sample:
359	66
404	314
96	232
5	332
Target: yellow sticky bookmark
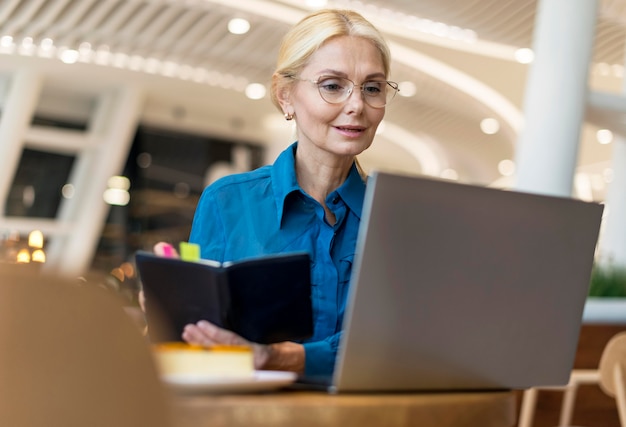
189	251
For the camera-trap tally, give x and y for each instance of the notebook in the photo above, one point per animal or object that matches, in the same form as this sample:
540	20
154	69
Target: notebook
264	299
461	287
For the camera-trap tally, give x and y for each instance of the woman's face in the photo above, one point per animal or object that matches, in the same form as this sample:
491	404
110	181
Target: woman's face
346	128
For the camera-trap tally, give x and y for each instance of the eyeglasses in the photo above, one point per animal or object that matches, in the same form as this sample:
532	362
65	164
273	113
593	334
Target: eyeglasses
335	90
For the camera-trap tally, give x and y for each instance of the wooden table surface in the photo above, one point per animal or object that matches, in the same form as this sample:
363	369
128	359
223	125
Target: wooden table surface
306	408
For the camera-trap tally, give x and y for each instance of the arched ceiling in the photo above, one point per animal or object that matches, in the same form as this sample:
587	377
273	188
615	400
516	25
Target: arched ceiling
459	56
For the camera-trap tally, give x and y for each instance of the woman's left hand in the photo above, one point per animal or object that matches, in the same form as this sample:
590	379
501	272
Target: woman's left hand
285	356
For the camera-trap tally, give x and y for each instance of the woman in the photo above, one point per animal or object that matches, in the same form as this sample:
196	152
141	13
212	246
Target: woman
331	78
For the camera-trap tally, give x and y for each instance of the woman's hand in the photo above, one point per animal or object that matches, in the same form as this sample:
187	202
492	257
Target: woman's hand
283	356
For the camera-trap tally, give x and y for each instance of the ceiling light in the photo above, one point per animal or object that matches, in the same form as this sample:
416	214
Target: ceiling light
102	57
144	160
27	47
169	68
39	256
489	126
6	41
199	75
604	136
27	42
23	256
119	182
68	191
35	239
46	44
255	91
69	56
116	196
185	72
151	65
506	167
119	60
238	26
85	48
135	62
524	55
407	89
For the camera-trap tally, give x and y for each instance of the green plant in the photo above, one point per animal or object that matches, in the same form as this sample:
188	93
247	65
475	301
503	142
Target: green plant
608	281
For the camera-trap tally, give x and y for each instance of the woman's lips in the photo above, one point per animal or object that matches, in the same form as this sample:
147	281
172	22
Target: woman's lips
350	130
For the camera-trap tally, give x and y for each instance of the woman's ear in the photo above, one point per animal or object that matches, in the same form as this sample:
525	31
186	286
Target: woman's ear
284	99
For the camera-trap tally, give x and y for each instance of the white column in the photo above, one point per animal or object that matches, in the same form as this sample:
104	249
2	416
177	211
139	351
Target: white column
17	113
554	104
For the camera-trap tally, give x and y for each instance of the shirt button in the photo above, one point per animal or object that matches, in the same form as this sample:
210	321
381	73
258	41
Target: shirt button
336	200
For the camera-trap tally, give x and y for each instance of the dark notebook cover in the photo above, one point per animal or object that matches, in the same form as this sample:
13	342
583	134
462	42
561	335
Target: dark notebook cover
265	299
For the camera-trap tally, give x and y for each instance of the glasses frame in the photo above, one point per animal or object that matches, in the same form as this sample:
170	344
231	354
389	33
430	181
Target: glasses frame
393	85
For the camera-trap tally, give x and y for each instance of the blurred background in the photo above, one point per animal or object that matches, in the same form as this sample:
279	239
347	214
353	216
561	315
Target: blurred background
115	114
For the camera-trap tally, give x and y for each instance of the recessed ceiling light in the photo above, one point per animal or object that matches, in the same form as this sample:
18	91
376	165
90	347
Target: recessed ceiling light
490	126
506	167
604	136
255	91
69	56
6	41
407	89
524	55
238	26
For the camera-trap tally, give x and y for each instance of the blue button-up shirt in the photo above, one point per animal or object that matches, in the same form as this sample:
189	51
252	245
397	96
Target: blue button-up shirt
264	212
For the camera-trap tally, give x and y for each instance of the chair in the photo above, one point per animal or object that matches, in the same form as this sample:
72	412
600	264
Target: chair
71	357
610	376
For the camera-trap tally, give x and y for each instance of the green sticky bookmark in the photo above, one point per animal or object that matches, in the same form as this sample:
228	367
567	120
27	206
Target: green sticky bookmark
189	251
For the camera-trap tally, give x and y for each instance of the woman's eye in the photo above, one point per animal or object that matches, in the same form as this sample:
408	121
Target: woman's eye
331	85
372	88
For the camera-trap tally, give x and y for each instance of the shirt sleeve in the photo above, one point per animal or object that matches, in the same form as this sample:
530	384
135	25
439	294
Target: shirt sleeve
320	356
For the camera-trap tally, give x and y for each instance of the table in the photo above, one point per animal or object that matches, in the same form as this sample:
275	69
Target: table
306	408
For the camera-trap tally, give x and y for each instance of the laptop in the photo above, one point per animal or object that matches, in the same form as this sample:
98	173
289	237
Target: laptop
461	287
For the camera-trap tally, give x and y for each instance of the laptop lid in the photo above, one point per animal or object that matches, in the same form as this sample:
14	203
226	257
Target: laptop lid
460	287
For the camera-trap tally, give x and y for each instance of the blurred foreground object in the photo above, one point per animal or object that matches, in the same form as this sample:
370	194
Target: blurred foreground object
71	357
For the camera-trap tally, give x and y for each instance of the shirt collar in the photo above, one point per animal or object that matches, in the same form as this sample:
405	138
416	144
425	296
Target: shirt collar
285	182
352	191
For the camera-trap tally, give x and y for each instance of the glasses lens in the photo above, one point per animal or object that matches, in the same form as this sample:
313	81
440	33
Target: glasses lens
392	89
335	89
375	92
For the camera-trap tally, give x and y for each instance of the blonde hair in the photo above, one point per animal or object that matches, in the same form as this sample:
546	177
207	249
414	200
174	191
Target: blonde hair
308	35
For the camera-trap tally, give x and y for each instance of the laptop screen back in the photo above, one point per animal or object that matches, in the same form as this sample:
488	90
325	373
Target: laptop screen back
464	287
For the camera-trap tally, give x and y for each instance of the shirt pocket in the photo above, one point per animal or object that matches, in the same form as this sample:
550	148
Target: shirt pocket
344	276
344	272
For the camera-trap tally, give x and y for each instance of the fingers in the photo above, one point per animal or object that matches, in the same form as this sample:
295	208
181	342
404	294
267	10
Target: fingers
206	333
165	250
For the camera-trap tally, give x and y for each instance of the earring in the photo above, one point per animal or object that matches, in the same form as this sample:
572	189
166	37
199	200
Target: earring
289	116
